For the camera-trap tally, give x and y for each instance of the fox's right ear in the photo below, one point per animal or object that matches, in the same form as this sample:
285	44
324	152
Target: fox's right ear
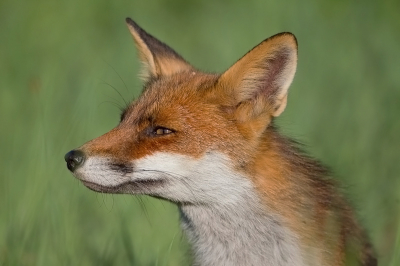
158	58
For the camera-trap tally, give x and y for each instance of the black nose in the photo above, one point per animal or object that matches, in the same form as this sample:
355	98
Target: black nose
74	159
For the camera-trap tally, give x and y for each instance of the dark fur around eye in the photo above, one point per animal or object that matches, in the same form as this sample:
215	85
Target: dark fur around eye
158	131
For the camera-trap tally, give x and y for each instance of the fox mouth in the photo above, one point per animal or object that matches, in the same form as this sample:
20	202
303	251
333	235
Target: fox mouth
129	187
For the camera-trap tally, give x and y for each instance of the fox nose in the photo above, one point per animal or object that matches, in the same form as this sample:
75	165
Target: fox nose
74	159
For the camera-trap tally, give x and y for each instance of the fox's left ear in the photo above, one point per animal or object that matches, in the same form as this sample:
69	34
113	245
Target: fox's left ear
260	80
158	58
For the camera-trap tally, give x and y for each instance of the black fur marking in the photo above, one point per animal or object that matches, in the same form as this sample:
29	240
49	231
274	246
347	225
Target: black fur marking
137	186
122	168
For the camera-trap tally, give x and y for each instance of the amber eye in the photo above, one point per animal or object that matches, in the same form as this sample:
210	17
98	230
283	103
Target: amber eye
159	131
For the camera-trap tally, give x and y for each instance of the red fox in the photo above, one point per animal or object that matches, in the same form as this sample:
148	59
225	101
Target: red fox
207	142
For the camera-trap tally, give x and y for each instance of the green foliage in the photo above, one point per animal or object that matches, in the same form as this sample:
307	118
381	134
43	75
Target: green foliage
65	64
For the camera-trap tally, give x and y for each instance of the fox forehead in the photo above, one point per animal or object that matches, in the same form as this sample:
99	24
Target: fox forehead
163	97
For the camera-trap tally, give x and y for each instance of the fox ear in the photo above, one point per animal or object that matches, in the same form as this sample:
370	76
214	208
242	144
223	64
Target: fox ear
260	80
158	58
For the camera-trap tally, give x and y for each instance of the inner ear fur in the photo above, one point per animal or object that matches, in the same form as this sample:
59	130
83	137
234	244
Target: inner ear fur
258	83
158	59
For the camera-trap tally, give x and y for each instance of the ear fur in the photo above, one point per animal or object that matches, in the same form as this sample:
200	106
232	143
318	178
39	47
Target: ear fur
158	58
260	80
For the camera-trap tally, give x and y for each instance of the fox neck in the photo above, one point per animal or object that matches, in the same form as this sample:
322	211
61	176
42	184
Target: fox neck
242	233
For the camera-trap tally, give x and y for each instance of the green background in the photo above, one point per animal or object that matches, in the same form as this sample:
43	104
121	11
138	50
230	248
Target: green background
63	65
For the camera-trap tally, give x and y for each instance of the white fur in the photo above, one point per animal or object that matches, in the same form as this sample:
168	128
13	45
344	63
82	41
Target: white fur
97	170
224	218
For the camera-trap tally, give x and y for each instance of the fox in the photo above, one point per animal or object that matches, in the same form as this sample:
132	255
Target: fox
207	142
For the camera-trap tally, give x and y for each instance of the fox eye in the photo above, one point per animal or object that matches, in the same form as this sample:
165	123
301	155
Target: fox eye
160	131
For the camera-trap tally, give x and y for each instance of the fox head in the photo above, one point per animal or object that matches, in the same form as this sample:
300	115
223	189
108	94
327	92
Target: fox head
191	137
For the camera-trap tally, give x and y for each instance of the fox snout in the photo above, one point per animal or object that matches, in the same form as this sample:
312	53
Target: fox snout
74	159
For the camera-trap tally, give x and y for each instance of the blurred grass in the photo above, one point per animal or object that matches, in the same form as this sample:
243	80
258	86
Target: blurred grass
59	62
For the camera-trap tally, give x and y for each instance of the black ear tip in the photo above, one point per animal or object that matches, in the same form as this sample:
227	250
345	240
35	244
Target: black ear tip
133	24
130	21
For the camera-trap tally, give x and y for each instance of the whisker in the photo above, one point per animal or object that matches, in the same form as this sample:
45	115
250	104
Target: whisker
112	206
143	208
126	87
105	194
115	89
112	103
141	204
